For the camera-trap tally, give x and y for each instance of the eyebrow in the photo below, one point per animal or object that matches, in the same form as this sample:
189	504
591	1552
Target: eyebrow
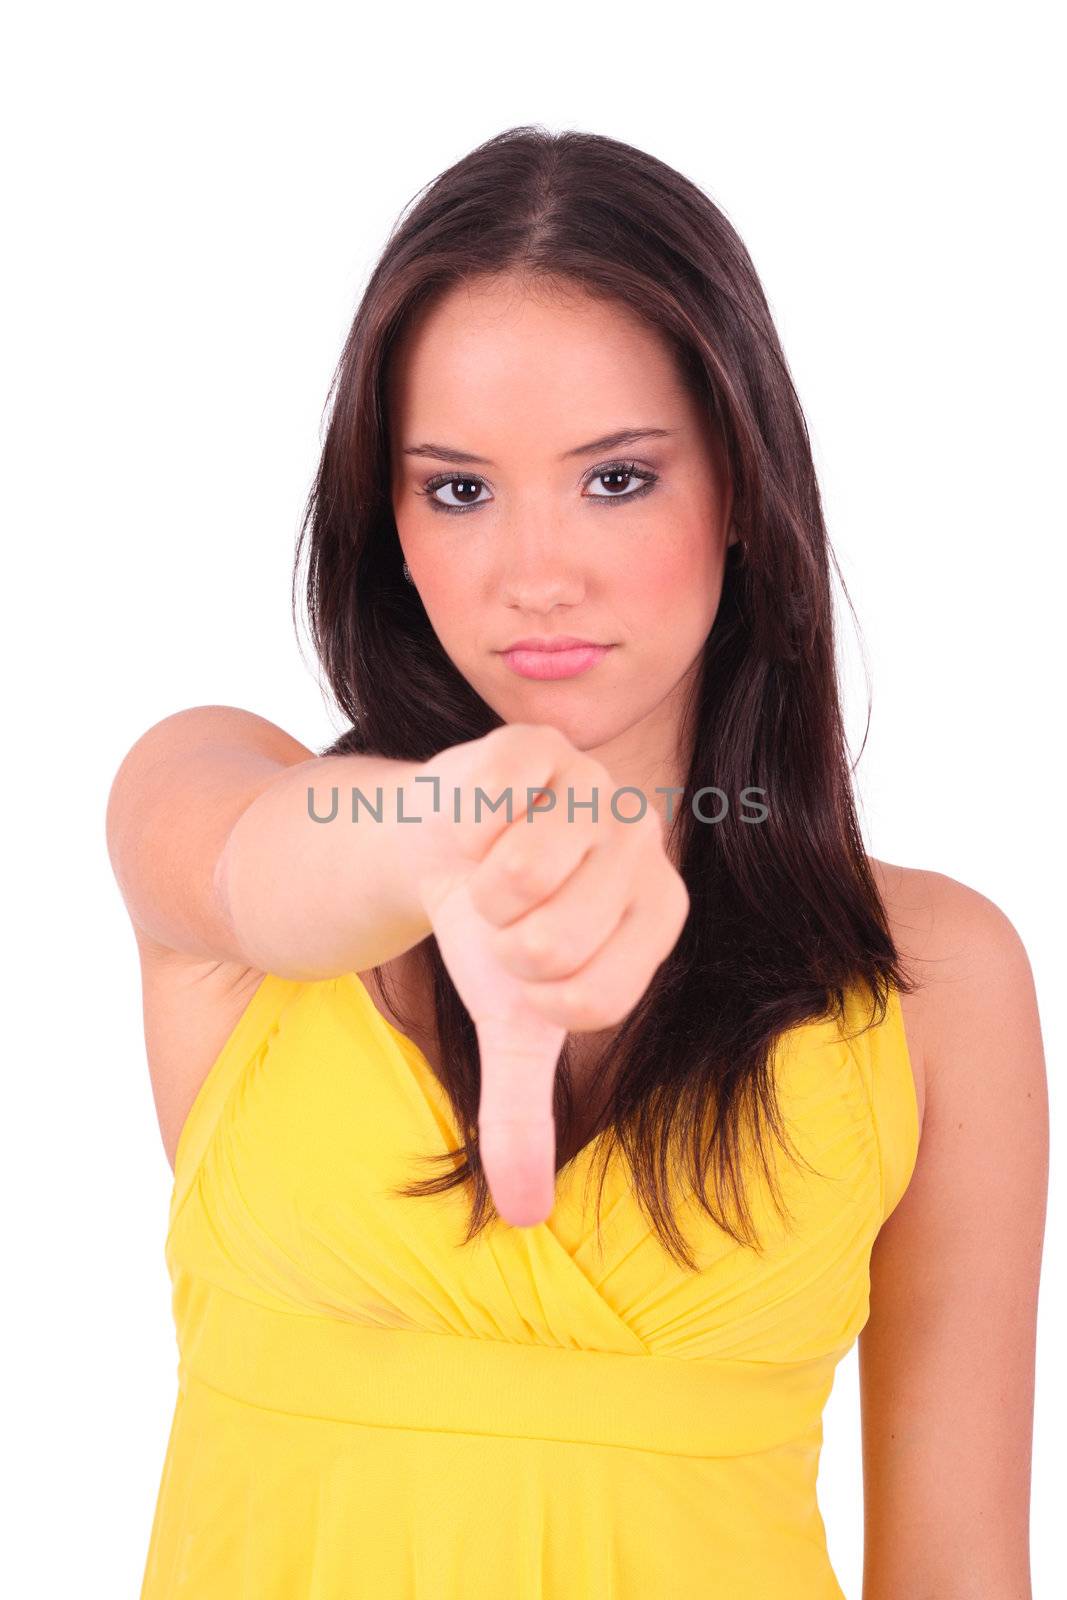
610	441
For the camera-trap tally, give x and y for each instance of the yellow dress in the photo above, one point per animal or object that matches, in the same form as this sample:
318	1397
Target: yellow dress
368	1407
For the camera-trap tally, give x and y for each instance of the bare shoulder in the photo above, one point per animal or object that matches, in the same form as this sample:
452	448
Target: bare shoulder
943	925
968	963
955	1268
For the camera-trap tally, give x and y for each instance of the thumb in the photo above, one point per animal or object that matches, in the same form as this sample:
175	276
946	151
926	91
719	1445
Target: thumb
516	1127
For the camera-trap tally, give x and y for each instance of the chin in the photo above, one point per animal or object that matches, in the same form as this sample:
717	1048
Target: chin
586	727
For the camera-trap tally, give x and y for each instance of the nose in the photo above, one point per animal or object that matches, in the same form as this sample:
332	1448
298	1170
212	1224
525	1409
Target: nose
539	570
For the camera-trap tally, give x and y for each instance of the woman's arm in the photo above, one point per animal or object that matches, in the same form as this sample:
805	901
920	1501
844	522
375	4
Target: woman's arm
216	855
947	1356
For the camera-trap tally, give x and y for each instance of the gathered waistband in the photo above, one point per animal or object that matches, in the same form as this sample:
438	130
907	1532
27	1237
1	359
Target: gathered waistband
320	1365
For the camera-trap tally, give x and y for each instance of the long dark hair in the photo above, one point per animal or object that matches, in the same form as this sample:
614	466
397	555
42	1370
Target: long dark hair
785	917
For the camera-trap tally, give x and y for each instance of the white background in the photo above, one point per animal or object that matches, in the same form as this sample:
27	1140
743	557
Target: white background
193	198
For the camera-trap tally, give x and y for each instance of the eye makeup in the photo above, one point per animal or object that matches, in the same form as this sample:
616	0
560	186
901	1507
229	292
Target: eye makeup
624	469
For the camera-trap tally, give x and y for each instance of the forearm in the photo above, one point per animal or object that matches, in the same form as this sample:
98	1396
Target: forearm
308	899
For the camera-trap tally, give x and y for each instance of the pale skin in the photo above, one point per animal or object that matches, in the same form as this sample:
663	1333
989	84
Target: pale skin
519	379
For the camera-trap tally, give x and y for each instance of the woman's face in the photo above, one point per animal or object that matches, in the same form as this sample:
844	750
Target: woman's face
548	532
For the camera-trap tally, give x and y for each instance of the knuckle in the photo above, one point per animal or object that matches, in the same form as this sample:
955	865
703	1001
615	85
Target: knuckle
680	893
526	736
524	873
585	1010
673	915
491	779
554	738
652	824
534	945
637	834
597	776
643	835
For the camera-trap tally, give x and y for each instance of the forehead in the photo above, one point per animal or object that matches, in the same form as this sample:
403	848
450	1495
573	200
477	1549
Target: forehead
542	351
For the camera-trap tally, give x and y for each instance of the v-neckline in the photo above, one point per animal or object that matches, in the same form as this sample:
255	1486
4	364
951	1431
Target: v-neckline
413	1052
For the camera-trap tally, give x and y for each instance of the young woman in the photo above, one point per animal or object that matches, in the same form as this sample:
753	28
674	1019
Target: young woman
565	542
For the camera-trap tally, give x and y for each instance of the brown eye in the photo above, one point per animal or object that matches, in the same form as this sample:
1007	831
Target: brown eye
617	475
465	489
617	480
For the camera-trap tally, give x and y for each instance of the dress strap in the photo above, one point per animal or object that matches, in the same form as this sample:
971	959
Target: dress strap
894	1101
249	1038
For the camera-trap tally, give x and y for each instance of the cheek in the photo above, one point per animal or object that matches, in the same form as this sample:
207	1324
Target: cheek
678	582
445	588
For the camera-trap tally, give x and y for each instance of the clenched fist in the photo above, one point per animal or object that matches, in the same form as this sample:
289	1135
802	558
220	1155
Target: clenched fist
547	923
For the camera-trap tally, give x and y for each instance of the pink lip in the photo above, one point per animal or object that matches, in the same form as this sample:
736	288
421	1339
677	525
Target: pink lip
558	641
555	662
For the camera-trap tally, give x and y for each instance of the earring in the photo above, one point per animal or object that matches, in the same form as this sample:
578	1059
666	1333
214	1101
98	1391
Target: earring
407	573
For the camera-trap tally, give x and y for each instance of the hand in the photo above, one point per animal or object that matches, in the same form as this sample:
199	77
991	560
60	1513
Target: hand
545	925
